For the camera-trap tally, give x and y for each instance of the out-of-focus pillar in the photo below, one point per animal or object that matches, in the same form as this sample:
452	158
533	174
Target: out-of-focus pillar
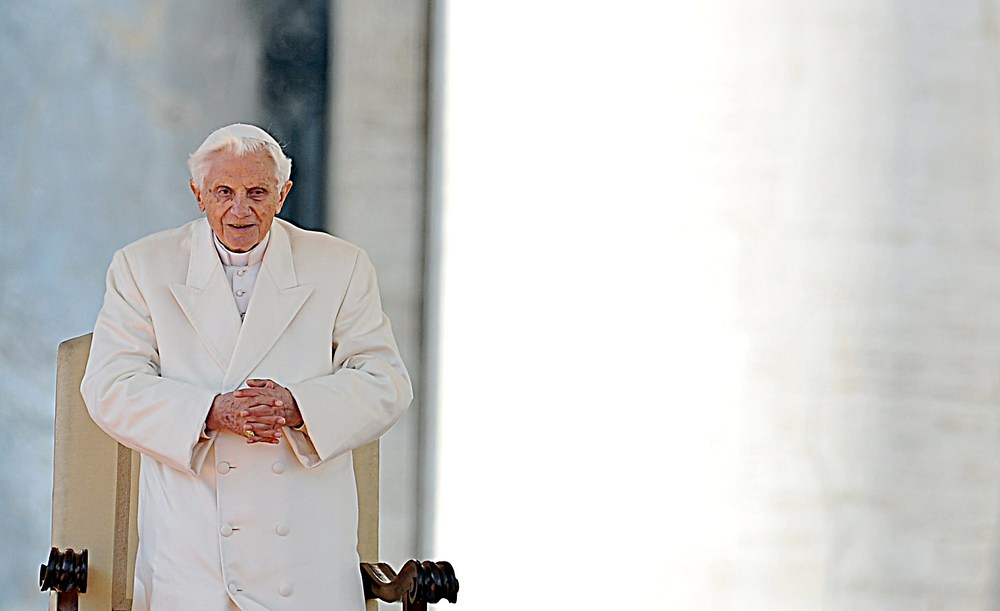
376	186
721	312
852	149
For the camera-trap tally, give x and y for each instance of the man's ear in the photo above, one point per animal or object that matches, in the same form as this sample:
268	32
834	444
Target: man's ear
197	195
283	195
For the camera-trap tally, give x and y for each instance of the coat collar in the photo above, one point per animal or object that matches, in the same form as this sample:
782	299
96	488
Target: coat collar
207	301
277	298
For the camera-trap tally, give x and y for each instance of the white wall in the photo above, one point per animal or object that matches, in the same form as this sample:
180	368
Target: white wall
101	104
719	321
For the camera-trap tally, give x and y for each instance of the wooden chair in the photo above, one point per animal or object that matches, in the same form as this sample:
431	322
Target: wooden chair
94	501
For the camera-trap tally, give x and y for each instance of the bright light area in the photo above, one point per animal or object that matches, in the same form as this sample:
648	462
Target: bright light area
590	363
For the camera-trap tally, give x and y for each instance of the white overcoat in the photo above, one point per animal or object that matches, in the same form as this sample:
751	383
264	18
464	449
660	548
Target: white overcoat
221	521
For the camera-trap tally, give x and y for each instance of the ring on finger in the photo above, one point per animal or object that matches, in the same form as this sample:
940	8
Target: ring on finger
249	433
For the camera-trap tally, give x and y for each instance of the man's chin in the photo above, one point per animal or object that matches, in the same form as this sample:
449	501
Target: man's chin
240	246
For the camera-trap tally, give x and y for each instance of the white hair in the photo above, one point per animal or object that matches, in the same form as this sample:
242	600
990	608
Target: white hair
238	139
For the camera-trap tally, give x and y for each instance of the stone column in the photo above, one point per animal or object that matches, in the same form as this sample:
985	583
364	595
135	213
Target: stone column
740	264
376	184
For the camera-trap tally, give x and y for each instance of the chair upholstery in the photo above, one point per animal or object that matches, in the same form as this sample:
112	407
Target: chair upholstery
95	492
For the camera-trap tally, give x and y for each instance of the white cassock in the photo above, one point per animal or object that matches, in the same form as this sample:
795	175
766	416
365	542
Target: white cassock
221	522
241	270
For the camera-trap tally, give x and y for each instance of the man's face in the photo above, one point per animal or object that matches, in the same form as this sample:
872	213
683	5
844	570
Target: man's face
240	196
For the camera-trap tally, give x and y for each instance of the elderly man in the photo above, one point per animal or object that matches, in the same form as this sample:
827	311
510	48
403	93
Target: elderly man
244	358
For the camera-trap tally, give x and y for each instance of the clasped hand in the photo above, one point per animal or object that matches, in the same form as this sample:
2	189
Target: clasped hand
262	409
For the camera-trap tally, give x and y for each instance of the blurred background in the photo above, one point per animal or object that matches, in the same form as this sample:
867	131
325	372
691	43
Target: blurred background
700	299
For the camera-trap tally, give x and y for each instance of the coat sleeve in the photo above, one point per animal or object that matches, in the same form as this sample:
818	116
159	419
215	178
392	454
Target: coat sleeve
123	389
370	388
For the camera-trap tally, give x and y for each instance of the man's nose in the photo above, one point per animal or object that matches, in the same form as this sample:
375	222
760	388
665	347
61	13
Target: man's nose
241	204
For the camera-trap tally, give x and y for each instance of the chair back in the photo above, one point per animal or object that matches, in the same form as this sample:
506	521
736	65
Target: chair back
95	489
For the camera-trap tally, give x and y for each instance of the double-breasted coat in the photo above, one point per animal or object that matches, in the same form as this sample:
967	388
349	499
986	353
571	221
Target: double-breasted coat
222	521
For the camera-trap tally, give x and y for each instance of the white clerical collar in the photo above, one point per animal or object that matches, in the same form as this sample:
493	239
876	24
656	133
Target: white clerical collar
241	259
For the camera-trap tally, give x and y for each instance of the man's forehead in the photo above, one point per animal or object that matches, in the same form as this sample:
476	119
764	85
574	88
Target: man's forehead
227	165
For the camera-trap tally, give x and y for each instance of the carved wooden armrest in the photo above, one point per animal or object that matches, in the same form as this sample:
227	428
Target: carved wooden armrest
66	574
416	584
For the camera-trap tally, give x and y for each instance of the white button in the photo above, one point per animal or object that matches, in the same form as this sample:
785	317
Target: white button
278	467
232	588
240	293
222	467
241	272
226	530
285	590
282	529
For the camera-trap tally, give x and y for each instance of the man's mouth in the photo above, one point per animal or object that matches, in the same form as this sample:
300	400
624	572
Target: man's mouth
241	226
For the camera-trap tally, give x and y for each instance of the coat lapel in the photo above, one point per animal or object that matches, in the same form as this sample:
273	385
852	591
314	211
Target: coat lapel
277	298
206	299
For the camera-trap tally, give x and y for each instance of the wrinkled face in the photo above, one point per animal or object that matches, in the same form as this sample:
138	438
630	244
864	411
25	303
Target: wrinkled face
240	196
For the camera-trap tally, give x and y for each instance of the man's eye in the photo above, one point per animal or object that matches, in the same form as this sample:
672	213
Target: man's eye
223	191
257	193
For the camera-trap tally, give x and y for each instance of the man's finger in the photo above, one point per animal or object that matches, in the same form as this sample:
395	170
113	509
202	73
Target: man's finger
259	411
261	383
267	433
253	402
262	430
252	392
271	421
262	396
